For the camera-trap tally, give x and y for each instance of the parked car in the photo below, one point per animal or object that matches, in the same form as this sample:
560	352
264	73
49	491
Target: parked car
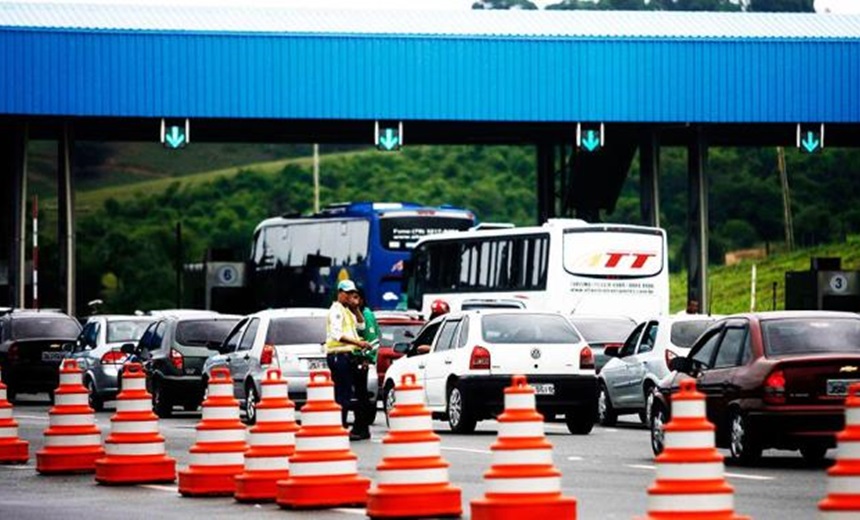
601	332
395	328
31	349
635	368
472	356
771	380
173	350
288	339
98	352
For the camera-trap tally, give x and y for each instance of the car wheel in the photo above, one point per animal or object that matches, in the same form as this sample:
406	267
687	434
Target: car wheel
743	445
813	453
96	402
579	422
51	397
645	416
388	401
459	418
251	401
160	402
190	407
659	418
605	412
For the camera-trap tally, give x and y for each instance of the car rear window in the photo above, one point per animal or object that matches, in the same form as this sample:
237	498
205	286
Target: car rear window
122	331
392	334
296	331
797	336
202	333
685	333
45	327
528	328
601	330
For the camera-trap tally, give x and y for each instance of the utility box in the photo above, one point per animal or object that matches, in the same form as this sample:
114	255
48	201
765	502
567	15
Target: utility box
824	287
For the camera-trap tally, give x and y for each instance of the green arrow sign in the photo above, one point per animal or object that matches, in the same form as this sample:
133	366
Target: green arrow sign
810	137
175	137
389	137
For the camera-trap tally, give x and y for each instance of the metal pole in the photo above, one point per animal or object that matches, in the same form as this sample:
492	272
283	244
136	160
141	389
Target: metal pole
35	251
21	141
752	289
786	198
316	178
179	265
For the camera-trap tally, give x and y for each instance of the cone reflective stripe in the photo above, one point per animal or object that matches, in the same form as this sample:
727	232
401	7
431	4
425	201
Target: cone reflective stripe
690	482
272	441
134	450
522	481
72	440
843	478
13	450
218	453
323	470
413	476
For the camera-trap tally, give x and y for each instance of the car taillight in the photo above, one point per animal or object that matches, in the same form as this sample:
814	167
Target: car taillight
774	388
669	356
176	359
480	359
12	353
268	355
114	357
586	358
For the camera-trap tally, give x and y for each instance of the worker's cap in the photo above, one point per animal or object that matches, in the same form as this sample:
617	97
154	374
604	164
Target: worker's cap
346	286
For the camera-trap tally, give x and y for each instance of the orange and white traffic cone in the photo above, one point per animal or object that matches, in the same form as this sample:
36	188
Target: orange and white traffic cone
218	455
13	449
843	478
272	442
690	482
413	476
522	482
323	471
72	440
134	449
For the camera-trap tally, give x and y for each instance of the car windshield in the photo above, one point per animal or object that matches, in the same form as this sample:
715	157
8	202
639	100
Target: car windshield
685	333
203	333
45	327
396	333
797	336
528	328
603	330
296	331
126	331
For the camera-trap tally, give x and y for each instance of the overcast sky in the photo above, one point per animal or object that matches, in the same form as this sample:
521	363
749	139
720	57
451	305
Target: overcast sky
836	6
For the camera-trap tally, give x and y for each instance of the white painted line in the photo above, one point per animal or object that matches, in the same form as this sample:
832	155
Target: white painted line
574	458
39	418
350	511
641	466
610	430
18	467
730	475
467	450
169	489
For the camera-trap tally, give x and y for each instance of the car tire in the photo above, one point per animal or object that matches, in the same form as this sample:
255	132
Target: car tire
11	394
460	418
96	402
606	415
579	421
251	400
388	397
51	397
161	405
813	453
659	418
743	444
190	407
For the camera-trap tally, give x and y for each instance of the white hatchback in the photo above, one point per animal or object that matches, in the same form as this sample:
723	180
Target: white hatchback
473	355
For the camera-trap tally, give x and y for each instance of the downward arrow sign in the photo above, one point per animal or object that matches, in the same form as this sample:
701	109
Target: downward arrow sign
389	141
810	143
591	142
175	139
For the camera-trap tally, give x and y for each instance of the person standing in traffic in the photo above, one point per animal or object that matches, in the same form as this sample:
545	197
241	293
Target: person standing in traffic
363	360
342	340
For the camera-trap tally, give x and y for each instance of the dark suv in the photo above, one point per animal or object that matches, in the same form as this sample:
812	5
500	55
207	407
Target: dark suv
31	349
173	350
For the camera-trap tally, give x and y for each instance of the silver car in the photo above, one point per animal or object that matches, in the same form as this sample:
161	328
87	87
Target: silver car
97	351
288	339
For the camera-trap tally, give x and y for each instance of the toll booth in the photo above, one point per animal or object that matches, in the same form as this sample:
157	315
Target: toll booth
826	286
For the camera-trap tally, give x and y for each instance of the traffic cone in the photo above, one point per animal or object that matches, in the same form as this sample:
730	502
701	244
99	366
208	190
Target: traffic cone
13	450
413	476
323	471
218	455
135	449
843	482
272	442
522	482
690	482
72	440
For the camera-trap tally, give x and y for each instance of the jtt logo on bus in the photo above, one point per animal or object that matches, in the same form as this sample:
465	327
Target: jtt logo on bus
626	260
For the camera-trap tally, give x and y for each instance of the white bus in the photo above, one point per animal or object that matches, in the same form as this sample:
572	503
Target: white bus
566	265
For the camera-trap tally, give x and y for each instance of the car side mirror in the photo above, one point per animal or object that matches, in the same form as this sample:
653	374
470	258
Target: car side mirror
612	350
681	364
128	348
401	348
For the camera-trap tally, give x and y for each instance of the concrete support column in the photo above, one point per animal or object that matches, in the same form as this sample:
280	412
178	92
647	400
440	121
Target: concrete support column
697	219
649	178
66	219
545	182
13	205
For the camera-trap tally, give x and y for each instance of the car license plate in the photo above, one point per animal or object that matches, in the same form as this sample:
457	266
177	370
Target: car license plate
839	387
317	364
544	388
53	356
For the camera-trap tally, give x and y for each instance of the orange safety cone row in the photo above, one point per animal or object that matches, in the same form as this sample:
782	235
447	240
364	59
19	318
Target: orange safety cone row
72	440
323	471
272	442
13	450
218	453
522	482
690	483
413	476
134	449
843	478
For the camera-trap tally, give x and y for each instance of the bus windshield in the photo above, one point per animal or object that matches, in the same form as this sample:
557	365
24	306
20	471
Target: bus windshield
401	233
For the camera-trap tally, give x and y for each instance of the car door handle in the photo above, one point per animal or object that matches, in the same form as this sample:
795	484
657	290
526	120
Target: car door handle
420	366
448	361
247	357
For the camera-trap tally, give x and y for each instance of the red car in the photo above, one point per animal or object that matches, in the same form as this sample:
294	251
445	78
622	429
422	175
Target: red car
395	327
771	380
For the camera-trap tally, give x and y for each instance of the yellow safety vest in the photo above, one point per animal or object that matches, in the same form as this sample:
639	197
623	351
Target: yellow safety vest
347	328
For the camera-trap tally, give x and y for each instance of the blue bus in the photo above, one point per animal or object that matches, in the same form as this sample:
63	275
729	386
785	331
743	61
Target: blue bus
297	261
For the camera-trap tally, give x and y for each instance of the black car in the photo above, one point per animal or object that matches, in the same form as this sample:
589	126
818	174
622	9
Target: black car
31	349
173	350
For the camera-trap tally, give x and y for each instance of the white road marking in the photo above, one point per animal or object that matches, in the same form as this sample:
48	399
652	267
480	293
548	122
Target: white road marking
730	475
26	466
169	489
467	450
38	418
640	466
610	430
350	511
574	458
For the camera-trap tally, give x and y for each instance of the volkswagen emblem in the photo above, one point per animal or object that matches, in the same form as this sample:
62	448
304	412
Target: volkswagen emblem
535	353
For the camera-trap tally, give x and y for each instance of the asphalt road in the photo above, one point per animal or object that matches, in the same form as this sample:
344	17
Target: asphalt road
608	472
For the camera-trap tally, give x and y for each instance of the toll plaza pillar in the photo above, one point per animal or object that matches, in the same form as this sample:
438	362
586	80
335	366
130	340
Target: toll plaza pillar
649	177
66	219
697	224
13	207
